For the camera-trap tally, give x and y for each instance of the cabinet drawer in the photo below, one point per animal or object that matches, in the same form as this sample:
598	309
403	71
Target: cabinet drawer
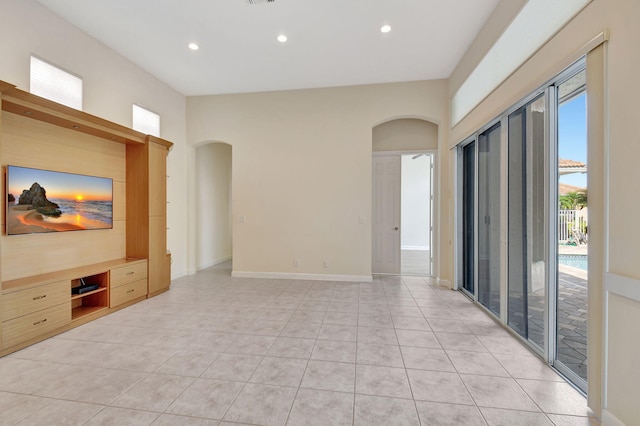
128	274
23	302
128	292
27	327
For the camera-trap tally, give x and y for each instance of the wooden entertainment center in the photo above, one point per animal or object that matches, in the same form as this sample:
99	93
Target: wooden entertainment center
127	263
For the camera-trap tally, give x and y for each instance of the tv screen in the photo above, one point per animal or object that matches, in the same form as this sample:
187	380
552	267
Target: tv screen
48	201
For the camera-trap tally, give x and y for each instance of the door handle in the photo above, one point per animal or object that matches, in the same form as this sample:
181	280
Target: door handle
396	228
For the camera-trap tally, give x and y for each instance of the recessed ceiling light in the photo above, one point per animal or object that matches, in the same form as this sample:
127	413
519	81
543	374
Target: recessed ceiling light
282	38
193	46
385	28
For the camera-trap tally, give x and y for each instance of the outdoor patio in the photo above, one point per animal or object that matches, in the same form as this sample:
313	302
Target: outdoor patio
571	310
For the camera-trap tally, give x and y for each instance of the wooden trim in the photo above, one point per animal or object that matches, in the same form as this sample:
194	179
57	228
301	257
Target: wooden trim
4	86
20	102
68	274
159	141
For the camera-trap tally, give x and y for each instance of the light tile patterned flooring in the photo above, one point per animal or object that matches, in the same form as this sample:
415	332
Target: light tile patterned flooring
216	350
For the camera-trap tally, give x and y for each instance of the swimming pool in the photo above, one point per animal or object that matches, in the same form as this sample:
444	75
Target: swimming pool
574	260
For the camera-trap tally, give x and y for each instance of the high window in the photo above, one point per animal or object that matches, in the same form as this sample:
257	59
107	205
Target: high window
55	84
145	121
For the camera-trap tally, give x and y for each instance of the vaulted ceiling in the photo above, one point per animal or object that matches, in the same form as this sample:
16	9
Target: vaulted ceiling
329	42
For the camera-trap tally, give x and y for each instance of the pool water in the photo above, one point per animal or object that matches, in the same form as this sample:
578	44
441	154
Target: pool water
573	260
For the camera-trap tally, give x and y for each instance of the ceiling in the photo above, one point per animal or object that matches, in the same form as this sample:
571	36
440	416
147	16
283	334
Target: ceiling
330	42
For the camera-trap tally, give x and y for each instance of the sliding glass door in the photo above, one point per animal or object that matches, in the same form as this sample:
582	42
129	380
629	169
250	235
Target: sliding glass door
523	225
468	217
527	293
489	218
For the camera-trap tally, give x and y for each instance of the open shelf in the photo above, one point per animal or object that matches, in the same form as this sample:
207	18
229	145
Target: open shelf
92	301
80	296
83	311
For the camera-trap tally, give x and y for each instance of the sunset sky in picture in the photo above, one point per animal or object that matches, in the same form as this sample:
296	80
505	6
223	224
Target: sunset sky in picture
59	185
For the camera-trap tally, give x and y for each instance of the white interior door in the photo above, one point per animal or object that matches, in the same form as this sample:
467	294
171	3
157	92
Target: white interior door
386	214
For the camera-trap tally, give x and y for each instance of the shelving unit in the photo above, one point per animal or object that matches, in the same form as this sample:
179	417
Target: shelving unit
93	301
129	262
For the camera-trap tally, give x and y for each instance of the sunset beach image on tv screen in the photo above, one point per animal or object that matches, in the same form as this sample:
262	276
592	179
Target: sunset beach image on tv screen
47	201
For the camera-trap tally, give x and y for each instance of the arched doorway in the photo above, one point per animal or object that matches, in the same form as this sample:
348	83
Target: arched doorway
404	159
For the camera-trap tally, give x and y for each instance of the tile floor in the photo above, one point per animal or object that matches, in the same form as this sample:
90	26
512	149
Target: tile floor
221	351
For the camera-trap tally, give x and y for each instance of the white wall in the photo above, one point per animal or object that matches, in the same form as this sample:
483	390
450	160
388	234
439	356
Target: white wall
111	85
415	210
613	122
213	203
302	170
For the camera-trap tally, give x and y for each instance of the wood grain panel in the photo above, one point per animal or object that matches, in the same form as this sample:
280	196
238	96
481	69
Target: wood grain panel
18	303
119	201
34	254
157	180
30	143
157	254
137	201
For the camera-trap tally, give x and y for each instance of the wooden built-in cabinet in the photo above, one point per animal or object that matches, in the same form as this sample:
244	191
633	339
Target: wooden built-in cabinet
147	207
128	283
127	263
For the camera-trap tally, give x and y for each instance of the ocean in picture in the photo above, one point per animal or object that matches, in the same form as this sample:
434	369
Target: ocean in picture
93	210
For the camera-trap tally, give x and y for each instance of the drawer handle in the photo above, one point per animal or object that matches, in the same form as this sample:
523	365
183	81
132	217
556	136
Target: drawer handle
131	291
40	297
40	322
130	273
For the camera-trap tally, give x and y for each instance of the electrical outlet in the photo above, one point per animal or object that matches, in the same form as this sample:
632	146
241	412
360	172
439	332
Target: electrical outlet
296	263
325	264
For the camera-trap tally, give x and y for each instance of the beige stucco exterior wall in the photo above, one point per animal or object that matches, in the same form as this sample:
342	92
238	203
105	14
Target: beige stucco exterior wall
613	355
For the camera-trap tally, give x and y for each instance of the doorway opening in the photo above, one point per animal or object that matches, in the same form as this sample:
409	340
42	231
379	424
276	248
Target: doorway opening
213	204
403	213
416	208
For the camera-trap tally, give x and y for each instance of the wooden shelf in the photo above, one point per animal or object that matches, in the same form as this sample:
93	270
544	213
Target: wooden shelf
80	296
83	311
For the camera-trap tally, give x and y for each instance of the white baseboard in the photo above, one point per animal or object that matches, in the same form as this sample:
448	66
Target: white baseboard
422	248
443	283
296	276
609	419
214	262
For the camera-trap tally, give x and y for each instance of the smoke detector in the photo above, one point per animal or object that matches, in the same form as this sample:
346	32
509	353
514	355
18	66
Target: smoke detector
254	2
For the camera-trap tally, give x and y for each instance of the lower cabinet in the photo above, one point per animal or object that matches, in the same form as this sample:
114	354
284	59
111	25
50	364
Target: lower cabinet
30	326
33	308
22	302
128	292
128	283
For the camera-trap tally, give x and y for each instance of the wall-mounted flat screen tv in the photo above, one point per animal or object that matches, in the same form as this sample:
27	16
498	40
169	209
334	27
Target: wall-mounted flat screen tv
48	201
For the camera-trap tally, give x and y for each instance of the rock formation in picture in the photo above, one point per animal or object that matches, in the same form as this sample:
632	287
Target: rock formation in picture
36	196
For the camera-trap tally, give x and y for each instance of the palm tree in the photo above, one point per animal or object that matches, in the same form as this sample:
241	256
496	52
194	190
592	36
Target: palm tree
573	200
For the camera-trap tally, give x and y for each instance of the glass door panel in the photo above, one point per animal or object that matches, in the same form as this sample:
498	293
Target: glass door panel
526	231
468	216
489	219
572	245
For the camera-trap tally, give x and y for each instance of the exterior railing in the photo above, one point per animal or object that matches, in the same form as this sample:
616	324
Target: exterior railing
572	226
